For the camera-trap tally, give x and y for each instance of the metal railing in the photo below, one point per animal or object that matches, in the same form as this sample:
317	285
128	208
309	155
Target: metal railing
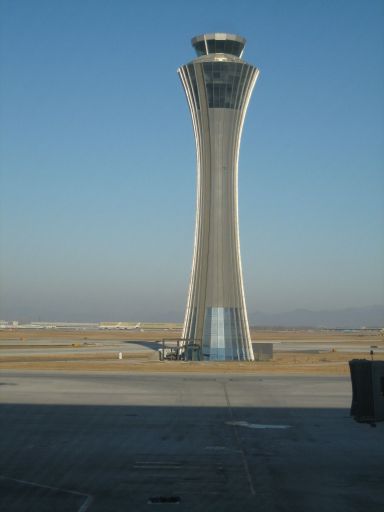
180	349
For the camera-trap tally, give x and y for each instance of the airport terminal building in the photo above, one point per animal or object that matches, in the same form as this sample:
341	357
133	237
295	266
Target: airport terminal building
218	85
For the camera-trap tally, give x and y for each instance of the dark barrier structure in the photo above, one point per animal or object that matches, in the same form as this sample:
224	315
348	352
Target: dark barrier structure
193	352
367	390
262	351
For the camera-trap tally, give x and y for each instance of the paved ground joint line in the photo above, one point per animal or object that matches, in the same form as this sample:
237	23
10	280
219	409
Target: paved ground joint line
238	440
84	506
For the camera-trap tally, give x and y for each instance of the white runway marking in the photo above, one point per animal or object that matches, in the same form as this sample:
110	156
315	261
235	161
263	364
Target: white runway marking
86	504
83	507
222	448
255	425
239	443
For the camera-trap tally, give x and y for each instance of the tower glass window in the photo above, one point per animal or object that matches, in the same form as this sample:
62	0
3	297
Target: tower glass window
218	43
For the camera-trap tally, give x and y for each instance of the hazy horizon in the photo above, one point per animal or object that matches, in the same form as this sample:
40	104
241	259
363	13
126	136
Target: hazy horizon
368	317
97	156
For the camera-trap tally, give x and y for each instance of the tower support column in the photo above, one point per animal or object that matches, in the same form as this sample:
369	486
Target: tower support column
218	85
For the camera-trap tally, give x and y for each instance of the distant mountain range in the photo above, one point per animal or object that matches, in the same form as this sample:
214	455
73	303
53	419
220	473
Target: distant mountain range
349	318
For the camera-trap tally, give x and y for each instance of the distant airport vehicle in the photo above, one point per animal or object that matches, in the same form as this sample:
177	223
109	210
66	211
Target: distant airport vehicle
124	326
170	354
171	349
179	350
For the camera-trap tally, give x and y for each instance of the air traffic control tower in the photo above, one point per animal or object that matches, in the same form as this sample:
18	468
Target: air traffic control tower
218	85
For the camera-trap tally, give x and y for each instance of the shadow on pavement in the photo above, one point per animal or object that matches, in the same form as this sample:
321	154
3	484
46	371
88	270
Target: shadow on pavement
134	458
153	345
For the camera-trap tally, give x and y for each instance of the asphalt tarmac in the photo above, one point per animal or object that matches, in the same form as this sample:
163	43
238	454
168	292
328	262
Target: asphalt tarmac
197	442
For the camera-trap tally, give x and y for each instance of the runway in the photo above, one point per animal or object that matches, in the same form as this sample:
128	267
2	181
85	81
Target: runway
100	442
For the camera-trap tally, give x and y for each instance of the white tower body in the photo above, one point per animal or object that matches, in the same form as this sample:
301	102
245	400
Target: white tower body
218	85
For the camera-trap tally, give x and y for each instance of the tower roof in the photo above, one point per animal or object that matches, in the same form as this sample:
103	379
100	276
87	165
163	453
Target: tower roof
219	42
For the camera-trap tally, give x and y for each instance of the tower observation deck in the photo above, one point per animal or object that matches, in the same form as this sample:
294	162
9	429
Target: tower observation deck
218	85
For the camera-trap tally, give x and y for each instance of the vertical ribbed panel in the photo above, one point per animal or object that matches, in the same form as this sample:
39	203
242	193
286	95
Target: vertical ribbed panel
218	93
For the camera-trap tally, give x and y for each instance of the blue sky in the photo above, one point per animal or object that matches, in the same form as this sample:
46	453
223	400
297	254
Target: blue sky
98	159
